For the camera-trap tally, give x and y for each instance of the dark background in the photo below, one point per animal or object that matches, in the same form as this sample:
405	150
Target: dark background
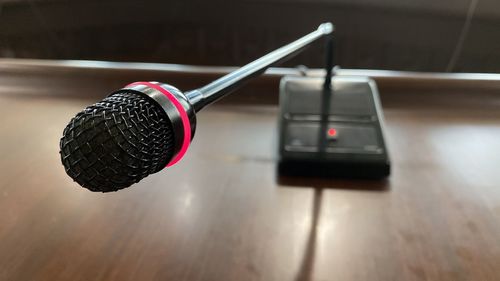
388	34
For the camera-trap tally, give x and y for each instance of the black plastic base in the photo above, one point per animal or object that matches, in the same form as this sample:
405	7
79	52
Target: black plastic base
331	134
344	170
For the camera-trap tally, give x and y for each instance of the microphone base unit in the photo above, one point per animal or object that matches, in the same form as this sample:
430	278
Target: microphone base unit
335	133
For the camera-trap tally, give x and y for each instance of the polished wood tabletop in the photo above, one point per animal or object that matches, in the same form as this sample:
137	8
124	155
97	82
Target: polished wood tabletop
223	213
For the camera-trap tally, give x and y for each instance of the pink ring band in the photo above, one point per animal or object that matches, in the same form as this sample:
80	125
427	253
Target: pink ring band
184	117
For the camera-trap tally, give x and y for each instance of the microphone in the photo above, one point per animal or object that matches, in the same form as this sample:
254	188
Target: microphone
147	126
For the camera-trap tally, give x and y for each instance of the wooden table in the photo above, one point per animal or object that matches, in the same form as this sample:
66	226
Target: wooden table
224	214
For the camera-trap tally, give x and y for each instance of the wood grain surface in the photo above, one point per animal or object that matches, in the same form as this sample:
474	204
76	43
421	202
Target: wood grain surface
224	214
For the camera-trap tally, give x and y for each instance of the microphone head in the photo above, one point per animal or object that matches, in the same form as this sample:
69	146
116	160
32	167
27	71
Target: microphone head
120	140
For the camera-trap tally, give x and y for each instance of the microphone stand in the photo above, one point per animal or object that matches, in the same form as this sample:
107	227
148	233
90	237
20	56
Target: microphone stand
219	88
326	96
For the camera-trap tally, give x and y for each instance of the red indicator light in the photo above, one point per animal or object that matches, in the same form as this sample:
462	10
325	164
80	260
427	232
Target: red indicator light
332	132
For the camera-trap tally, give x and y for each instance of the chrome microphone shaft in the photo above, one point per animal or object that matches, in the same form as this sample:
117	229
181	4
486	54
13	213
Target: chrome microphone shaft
219	88
145	126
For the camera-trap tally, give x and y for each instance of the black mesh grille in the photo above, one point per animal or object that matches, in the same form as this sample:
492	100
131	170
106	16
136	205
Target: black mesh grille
117	142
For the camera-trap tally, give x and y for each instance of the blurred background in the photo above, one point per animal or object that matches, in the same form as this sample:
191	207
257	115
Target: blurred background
425	35
223	213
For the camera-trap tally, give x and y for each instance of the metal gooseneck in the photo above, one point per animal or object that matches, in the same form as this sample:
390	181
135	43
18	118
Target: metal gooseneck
219	88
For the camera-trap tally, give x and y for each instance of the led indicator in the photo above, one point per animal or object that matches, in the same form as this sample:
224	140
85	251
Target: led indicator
332	132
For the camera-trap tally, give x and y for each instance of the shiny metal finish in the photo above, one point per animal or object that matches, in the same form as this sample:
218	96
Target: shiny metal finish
228	83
